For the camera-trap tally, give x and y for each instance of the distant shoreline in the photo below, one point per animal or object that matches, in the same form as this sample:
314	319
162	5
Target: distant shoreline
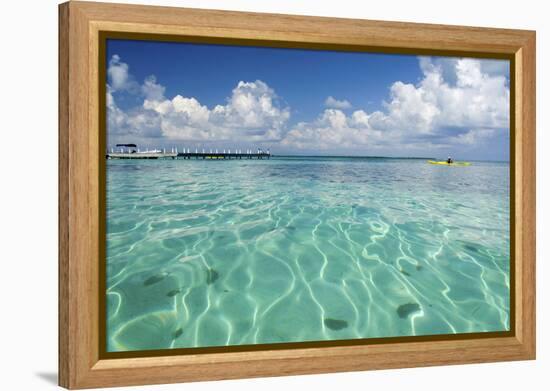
350	157
379	157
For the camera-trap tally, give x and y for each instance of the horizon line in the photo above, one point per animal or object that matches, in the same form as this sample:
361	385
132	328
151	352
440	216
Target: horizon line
291	155
380	157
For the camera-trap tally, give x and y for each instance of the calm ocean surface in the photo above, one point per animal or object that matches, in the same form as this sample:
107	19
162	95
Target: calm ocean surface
209	253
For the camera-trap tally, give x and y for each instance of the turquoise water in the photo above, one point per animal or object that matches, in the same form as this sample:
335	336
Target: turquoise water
213	253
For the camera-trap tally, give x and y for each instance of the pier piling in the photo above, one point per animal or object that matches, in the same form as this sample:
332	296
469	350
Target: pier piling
186	154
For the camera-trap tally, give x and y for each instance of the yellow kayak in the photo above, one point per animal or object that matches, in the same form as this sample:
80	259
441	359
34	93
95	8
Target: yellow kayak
444	163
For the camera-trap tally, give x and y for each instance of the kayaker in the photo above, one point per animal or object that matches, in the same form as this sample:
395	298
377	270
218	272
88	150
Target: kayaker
449	160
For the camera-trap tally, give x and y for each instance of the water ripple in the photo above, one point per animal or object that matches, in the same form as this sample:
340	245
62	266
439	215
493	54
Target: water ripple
226	253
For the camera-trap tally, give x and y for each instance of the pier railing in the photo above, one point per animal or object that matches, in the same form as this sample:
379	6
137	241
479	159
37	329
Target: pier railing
223	155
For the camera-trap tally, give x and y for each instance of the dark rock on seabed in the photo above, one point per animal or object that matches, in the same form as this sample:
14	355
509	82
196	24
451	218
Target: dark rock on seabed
335	324
211	276
154	279
404	310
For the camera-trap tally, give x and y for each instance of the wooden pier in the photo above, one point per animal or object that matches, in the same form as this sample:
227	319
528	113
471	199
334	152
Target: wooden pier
141	155
188	155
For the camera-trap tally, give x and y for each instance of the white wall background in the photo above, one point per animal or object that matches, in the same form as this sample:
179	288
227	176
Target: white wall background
28	193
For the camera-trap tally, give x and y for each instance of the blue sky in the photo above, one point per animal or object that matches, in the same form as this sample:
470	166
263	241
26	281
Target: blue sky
305	101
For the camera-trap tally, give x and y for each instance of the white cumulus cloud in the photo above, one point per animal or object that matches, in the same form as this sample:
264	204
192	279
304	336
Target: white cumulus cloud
152	90
253	112
333	129
333	103
456	101
119	77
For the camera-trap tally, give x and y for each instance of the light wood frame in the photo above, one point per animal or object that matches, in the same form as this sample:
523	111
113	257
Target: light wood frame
80	157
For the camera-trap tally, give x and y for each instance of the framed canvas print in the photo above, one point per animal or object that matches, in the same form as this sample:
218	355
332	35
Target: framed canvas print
257	195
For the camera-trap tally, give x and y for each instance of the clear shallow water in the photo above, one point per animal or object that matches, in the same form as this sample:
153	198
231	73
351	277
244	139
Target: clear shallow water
210	253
